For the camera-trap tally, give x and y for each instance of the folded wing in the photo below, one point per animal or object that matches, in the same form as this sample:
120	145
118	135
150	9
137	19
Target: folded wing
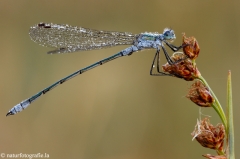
67	39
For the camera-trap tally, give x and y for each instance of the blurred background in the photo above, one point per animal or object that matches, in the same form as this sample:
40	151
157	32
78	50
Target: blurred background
116	111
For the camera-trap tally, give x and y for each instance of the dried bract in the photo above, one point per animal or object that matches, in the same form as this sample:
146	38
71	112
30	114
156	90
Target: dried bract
214	157
200	94
208	135
183	67
190	47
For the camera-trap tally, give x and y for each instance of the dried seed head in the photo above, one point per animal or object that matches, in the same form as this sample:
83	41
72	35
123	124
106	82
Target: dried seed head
190	47
200	94
214	157
208	135
183	67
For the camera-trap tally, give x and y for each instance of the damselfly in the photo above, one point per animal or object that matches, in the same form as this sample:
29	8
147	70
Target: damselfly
68	39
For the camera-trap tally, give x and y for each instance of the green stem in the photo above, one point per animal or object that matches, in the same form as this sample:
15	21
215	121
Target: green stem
220	152
230	134
217	106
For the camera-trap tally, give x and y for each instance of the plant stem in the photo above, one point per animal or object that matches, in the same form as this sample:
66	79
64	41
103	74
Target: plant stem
217	106
230	134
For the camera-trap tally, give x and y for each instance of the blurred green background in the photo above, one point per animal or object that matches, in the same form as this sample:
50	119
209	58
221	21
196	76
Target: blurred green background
116	111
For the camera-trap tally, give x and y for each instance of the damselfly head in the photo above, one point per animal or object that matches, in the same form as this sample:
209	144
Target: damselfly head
168	34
